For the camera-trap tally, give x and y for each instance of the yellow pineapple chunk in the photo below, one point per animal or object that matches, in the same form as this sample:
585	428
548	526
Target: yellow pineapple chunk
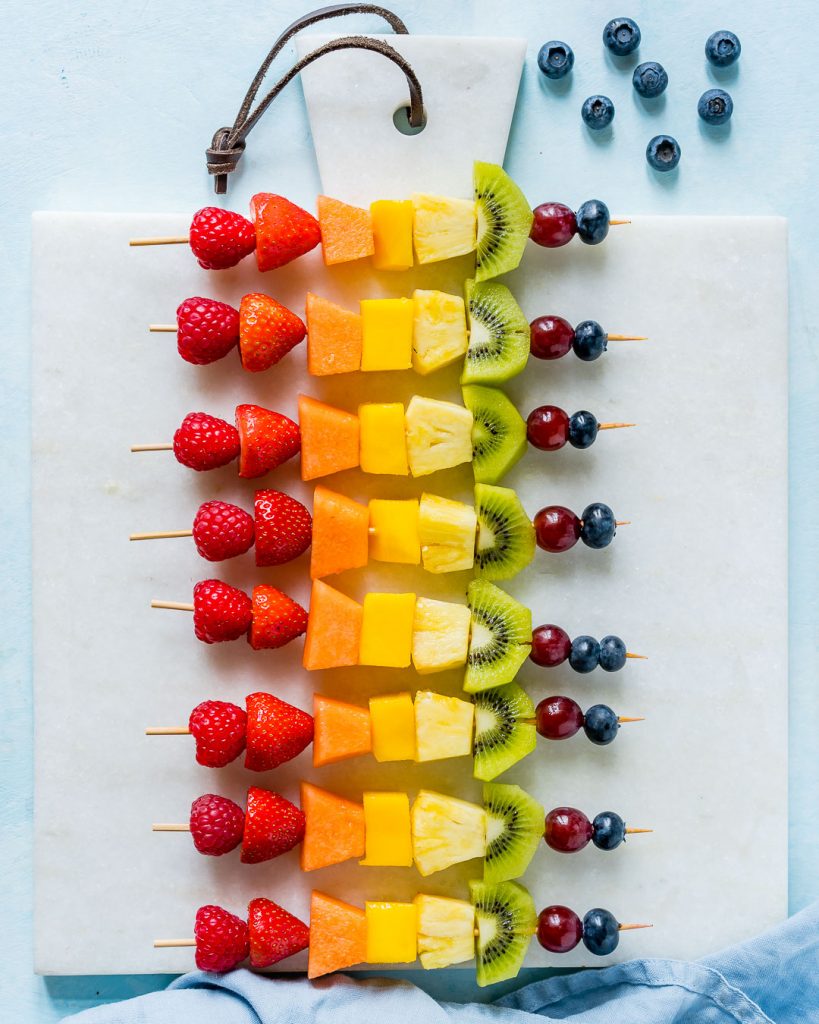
440	635
447	531
446	930
443	726
439	435
439	330
443	227
446	831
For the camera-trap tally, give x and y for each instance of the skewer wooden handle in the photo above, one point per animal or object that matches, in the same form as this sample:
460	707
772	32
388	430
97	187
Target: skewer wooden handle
176	606
165	827
161	535
167	446
167	730
161	240
170	943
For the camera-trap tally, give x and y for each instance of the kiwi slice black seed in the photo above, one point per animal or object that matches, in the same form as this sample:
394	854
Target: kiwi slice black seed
514	828
504	730
506	919
505	541
498	334
498	432
504	221
500	637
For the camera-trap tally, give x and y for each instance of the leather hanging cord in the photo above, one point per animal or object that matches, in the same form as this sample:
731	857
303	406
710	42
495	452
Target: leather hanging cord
229	143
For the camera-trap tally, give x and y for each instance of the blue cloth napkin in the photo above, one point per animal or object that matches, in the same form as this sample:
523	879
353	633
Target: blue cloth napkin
773	978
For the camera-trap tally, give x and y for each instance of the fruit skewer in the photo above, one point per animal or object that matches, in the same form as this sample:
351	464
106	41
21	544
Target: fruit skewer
497	728
495	927
496	225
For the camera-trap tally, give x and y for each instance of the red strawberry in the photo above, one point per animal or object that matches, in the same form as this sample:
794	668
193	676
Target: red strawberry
267	439
284	528
283	230
205	442
267	331
217	824
206	330
277	619
276	732
220	238
221	939
274	934
272	826
222	531
219	729
220	612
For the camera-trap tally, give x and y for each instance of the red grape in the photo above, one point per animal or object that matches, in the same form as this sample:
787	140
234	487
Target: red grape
559	929
554	225
551	646
547	428
550	337
558	718
567	830
557	528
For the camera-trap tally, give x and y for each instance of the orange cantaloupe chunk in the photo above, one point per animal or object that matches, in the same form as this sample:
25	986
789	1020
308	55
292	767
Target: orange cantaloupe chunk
333	629
334	337
338	936
341	536
333	830
329	438
346	231
340	730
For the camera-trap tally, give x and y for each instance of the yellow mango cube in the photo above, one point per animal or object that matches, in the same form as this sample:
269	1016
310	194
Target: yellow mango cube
394	536
383	438
386	630
392	933
386	326
392	724
387	835
392	233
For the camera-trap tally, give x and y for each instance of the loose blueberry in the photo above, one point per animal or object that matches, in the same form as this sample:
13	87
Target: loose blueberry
650	79
600	725
608	830
621	36
601	932
590	341
597	112
555	59
663	153
585	654
582	429
715	106
612	654
598	527
722	48
593	221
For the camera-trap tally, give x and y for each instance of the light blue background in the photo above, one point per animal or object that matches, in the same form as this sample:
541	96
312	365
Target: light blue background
109	106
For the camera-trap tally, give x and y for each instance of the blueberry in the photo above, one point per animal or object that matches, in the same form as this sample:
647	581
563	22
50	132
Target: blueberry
601	932
612	654
663	153
715	106
600	724
722	48
608	830
593	221
584	654
597	112
621	36
650	79
590	341
598	526
582	429
555	59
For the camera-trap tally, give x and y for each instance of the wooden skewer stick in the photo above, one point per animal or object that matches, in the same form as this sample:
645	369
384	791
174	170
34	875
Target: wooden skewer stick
161	827
175	606
166	328
636	831
161	240
166	446
614	223
167	730
632	927
169	943
614	426
611	337
622	522
161	534
621	719
640	657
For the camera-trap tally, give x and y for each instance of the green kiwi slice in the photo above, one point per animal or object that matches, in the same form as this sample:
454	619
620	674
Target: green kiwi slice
498	432
504	730
505	917
504	221
505	541
500	637
498	334
514	828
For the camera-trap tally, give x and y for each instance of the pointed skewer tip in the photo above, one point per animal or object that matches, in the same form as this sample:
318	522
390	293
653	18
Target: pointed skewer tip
632	927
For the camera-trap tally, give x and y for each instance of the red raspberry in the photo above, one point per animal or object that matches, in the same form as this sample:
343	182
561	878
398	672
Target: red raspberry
205	442
222	531
220	238
221	939
220	612
284	527
217	824
219	729
206	330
